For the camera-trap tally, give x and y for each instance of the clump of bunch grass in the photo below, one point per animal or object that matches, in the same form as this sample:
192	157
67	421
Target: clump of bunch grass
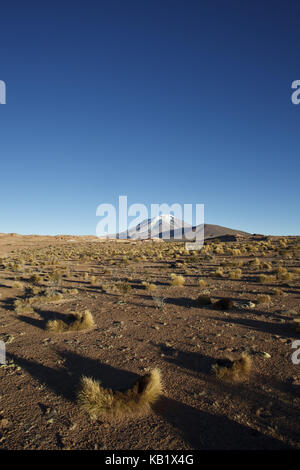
51	297
277	291
77	322
97	400
23	306
124	287
73	291
267	266
55	277
149	286
202	283
93	280
266	279
33	290
177	280
232	370
35	279
235	274
285	276
17	285
264	299
124	261
218	272
254	263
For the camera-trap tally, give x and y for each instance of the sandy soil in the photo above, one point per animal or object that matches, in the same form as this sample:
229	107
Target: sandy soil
38	385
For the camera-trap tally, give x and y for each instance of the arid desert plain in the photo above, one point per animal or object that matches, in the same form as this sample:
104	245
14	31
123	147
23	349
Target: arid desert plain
216	326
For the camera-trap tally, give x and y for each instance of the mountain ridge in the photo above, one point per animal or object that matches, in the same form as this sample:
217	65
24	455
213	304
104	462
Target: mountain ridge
167	227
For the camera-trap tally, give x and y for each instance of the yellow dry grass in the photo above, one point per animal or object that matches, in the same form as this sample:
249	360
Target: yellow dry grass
232	371
97	400
80	322
177	281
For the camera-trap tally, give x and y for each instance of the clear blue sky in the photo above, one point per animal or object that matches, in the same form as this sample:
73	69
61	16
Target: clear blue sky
160	100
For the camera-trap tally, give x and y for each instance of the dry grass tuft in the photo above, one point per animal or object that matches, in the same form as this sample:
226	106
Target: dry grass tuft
177	281
232	371
17	285
149	286
33	290
277	291
202	283
266	279
285	276
55	277
93	281
78	322
267	266
263	299
124	287
97	400
51	297
280	271
218	273
23	306
35	279
235	274
254	262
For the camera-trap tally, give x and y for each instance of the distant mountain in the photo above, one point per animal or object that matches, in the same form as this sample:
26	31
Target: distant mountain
158	227
215	231
167	226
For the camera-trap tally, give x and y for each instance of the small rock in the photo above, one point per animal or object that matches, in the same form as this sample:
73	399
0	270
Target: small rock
266	355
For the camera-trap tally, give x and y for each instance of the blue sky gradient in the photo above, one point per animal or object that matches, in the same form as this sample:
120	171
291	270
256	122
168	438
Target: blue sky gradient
162	101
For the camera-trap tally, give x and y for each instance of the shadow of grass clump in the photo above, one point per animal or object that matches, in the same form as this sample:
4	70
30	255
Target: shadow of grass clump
207	431
296	325
203	299
223	304
65	381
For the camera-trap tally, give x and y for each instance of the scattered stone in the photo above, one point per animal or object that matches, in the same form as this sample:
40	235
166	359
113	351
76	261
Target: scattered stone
248	305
